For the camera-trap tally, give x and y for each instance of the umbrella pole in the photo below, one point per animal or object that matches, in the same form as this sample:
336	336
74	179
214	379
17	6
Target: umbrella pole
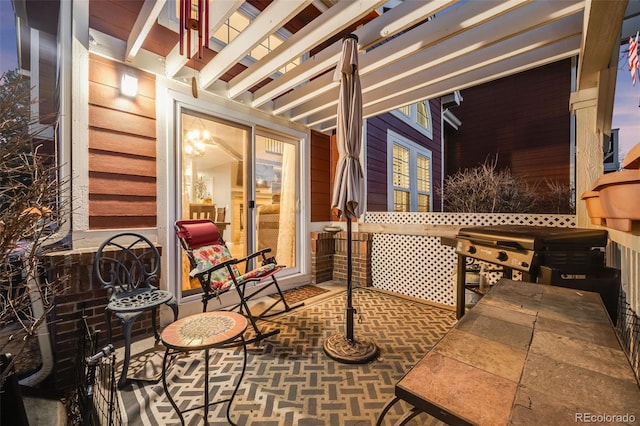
344	347
350	309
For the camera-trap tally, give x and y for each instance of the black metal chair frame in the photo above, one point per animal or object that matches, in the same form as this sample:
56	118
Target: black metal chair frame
204	279
128	266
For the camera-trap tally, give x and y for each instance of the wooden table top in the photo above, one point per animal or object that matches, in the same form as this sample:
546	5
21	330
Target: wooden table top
526	354
204	330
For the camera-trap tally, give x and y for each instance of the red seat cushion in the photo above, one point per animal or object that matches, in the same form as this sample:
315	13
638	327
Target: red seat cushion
198	233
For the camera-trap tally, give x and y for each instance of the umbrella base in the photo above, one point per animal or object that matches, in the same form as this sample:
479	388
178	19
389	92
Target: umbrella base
343	350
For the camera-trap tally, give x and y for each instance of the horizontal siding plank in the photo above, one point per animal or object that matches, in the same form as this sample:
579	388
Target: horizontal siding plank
324	208
112	184
110	97
114	222
321	155
102	205
121	164
320	181
120	121
105	140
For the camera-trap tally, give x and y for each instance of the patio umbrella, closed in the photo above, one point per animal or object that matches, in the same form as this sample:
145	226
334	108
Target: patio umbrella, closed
347	190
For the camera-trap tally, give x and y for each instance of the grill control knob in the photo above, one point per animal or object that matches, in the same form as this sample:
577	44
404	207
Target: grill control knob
502	256
471	249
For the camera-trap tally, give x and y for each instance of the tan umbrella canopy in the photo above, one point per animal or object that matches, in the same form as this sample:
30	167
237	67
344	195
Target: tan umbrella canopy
348	189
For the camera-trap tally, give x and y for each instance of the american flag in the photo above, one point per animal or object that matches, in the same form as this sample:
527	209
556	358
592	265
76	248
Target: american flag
633	58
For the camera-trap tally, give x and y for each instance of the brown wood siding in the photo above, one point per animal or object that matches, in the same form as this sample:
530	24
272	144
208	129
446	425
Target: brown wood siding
524	119
122	149
320	177
376	173
103	140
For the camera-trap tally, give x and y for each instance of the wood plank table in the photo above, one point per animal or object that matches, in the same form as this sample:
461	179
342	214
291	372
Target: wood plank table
527	354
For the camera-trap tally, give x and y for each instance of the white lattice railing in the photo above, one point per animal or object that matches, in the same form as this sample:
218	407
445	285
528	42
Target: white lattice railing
405	262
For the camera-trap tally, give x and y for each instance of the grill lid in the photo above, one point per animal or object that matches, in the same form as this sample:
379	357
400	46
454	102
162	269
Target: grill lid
535	238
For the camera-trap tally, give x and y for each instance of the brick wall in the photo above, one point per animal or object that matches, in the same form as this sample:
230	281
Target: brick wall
322	251
83	296
361	258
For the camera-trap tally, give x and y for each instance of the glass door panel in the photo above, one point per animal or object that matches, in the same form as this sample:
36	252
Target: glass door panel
213	181
276	189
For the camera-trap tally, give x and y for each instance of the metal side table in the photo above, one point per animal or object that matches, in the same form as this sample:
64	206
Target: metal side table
205	331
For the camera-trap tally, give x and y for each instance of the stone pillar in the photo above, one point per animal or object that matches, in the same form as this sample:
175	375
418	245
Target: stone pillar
322	251
361	258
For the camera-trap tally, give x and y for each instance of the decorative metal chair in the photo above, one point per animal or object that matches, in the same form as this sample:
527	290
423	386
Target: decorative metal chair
128	266
216	270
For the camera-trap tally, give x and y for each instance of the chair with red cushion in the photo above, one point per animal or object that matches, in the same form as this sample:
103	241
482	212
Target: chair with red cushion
217	271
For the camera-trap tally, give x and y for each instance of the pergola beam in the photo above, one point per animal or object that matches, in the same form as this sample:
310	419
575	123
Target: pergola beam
146	18
468	78
391	23
445	60
331	22
278	13
448	37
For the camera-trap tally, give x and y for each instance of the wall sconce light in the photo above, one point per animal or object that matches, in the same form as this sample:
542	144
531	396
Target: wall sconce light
129	85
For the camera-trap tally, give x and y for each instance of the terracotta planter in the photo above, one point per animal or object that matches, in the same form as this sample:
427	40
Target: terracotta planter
632	159
620	198
594	207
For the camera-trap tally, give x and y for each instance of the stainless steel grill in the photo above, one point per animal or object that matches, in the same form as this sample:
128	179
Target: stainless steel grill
525	248
541	253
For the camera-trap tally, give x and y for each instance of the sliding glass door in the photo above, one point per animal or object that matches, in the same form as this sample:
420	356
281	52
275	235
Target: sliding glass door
246	182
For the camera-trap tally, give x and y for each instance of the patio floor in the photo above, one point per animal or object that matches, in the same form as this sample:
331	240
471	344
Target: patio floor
289	379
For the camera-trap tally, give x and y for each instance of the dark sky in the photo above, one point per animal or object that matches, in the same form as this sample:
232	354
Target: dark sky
8	44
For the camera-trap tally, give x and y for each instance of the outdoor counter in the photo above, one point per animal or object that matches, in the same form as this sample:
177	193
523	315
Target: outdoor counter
526	354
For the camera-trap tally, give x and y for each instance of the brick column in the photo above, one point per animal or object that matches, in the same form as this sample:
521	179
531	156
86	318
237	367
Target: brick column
360	258
322	250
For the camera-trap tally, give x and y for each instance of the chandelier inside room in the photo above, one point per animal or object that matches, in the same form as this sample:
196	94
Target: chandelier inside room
196	140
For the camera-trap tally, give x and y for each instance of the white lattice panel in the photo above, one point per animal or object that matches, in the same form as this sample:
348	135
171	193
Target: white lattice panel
416	266
470	219
420	266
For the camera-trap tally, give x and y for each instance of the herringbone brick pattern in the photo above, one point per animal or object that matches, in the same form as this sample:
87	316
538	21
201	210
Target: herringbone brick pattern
289	379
